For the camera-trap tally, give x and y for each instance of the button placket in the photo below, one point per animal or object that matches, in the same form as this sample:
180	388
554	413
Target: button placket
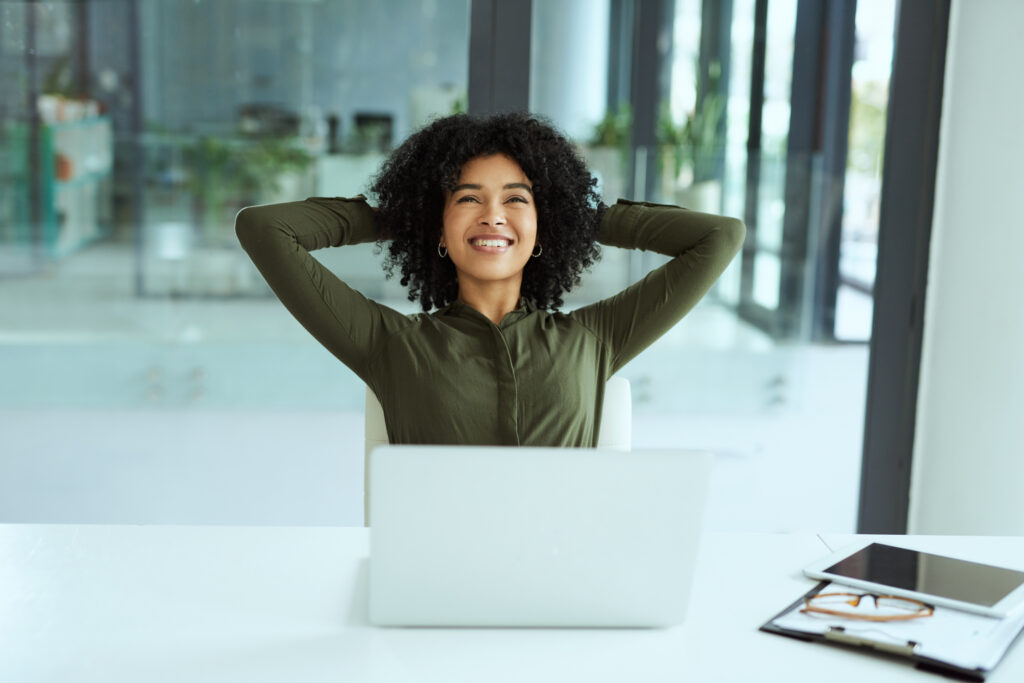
508	387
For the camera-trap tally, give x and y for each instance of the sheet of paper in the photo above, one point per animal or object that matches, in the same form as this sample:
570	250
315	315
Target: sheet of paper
960	638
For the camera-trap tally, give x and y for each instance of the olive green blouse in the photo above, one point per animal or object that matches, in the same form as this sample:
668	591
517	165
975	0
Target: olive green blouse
454	377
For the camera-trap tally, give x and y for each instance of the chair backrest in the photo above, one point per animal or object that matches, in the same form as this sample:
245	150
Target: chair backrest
616	427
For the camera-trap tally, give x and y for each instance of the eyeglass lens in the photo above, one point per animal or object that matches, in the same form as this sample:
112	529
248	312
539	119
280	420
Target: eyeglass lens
881	605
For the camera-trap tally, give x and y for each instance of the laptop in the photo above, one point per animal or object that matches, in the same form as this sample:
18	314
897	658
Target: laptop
521	537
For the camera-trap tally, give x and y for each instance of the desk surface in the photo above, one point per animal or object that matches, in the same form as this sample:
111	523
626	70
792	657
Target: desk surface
124	603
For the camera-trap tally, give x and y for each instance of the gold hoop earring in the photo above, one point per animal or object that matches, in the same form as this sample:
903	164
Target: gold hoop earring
538	251
439	248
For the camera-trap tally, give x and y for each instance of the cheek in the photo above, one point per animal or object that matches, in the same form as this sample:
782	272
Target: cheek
533	232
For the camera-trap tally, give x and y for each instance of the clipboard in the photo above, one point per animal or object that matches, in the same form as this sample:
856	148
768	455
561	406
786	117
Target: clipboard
1000	636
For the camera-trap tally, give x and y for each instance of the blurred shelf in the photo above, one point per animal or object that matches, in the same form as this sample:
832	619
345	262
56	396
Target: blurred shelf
75	163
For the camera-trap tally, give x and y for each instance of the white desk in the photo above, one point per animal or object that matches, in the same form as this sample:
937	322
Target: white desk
123	603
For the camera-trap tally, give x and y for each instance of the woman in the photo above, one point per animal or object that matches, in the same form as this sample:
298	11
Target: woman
490	221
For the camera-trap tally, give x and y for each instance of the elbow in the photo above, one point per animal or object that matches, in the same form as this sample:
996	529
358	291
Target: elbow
247	224
734	232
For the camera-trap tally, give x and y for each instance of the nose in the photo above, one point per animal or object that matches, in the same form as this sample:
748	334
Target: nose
492	213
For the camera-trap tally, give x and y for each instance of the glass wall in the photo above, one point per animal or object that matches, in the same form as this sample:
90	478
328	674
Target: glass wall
781	406
299	101
863	183
146	373
132	131
775	116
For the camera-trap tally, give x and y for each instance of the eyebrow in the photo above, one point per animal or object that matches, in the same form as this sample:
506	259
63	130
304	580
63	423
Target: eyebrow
509	186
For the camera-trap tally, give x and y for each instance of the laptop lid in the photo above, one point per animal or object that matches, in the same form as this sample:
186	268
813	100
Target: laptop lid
499	536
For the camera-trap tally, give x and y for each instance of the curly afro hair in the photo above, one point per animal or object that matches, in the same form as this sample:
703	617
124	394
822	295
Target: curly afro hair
410	192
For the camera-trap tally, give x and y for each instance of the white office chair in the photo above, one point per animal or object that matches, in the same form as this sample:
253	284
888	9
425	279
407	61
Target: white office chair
616	428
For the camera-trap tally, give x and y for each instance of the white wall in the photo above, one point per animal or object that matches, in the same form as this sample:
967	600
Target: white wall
968	475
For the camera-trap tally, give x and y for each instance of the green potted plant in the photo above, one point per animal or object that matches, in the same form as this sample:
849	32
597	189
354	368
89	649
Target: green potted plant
225	175
695	148
607	151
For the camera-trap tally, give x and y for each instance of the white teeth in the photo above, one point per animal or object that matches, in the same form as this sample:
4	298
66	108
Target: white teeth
491	243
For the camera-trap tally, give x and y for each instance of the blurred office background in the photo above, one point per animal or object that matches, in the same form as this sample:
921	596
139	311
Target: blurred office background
147	375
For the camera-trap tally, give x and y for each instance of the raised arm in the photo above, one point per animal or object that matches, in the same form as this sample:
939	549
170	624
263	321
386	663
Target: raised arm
701	245
279	237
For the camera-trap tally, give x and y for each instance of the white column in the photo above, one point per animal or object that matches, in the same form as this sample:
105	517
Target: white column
968	475
569	63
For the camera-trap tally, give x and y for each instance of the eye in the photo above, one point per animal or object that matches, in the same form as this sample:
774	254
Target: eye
518	199
465	199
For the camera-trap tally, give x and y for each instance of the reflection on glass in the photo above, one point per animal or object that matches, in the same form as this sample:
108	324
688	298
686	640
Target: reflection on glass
130	135
767	272
142	166
734	178
863	184
686	30
778	74
231	103
738	121
569	67
300	101
569	64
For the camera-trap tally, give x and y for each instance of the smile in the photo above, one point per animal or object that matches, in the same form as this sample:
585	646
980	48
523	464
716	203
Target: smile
490	242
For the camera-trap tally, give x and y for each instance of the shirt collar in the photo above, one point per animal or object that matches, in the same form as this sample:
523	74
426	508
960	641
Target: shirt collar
464	310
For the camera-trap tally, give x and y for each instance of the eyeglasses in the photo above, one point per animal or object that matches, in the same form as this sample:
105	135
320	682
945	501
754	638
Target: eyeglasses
886	607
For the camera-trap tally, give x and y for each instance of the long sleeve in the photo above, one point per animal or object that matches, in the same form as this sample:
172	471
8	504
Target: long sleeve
278	239
701	244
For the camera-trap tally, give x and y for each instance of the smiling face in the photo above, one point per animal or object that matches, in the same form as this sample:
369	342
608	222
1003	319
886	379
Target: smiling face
490	222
